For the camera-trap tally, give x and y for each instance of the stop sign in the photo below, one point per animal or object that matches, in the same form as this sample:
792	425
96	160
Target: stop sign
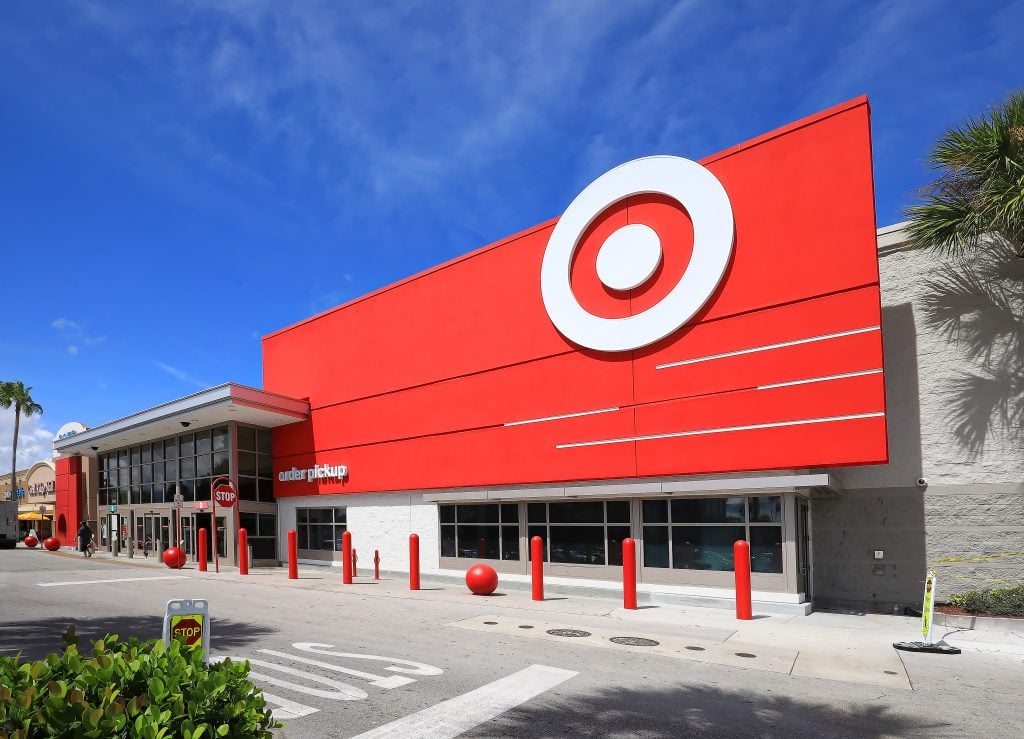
188	629
224	495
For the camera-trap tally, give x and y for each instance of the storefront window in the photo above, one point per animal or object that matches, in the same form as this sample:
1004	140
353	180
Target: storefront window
320	528
699	533
480	531
580	533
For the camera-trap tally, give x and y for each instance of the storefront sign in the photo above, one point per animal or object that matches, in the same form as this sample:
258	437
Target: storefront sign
317	472
70	429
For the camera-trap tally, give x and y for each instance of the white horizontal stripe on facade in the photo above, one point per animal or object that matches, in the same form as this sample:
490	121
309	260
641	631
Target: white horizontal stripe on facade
767	347
823	378
556	418
725	429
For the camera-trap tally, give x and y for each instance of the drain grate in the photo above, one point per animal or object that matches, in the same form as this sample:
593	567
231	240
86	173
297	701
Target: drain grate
748	655
696	649
634	641
568	632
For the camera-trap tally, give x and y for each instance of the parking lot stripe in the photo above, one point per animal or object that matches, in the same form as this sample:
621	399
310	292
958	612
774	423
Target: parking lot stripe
458	715
112	579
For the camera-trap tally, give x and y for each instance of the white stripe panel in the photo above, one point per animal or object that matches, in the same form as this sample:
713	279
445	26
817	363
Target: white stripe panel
567	415
726	429
453	717
824	378
767	347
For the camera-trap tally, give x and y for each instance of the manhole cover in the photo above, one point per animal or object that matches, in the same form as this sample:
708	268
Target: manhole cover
525	627
633	641
696	649
748	655
490	623
568	632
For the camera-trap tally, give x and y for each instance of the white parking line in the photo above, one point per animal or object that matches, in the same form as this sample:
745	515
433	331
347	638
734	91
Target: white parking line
113	579
458	715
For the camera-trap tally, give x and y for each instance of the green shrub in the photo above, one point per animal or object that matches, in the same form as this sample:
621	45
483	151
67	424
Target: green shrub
129	689
992	601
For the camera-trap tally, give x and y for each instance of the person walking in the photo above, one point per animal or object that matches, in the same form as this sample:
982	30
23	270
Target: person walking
85	539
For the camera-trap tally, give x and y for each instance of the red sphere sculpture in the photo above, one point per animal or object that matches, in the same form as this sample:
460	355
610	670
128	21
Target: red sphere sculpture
30	541
51	544
481	579
174	558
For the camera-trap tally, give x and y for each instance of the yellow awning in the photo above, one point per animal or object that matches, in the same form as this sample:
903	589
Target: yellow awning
32	516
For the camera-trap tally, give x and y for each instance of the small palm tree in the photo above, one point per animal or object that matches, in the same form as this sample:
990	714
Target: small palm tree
20	397
980	189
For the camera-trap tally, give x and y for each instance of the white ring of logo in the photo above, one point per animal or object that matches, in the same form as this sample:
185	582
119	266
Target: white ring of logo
704	198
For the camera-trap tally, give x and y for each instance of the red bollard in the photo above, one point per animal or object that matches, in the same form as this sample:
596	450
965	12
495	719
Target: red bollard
355	560
629	574
293	555
741	560
346	558
243	552
414	562
537	566
201	554
376	564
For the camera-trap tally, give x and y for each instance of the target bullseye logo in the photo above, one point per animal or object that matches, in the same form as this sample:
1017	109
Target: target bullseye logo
631	255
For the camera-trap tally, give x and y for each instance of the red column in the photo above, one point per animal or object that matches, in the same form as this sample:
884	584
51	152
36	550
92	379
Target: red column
741	560
629	574
414	562
537	566
346	558
201	553
243	552
293	555
376	564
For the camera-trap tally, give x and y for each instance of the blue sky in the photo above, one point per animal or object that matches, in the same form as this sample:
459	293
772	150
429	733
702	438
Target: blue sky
180	178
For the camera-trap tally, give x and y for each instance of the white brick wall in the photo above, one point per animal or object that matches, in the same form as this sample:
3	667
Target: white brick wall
921	365
381	521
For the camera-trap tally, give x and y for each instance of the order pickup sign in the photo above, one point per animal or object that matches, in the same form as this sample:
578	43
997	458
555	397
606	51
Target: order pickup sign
188	621
224	495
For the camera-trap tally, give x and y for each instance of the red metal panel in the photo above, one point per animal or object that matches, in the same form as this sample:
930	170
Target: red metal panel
518	393
410	386
68	499
501	455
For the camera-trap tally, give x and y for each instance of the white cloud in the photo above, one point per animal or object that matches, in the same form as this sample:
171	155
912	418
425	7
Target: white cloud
35	441
180	374
72	350
65	324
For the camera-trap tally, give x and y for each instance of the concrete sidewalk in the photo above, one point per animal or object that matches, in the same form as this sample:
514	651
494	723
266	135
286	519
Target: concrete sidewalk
839	646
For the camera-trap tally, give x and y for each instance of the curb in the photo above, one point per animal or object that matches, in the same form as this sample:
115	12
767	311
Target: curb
981	623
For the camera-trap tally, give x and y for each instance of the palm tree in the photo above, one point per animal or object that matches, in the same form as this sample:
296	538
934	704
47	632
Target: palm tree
980	188
17	395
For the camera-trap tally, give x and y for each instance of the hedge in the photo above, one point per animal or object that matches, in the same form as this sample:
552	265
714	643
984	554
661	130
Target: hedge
992	601
129	689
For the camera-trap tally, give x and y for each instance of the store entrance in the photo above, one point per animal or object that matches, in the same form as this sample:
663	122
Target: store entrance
191	526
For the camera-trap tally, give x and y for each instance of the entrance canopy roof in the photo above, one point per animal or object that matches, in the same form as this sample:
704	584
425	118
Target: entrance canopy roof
217	405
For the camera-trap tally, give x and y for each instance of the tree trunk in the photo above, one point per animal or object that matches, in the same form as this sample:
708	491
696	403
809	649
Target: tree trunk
14	453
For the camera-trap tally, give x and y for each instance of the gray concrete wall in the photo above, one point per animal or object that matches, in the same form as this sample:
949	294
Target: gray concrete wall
954	364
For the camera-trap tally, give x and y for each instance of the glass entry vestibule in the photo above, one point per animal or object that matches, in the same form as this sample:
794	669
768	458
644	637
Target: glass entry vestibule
686	540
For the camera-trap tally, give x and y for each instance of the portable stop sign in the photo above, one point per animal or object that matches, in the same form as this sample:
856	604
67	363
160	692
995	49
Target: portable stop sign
188	621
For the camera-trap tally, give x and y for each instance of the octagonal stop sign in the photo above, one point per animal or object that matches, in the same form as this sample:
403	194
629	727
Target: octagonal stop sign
188	629
224	494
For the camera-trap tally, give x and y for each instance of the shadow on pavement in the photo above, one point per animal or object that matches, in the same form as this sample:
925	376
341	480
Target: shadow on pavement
38	637
706	711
